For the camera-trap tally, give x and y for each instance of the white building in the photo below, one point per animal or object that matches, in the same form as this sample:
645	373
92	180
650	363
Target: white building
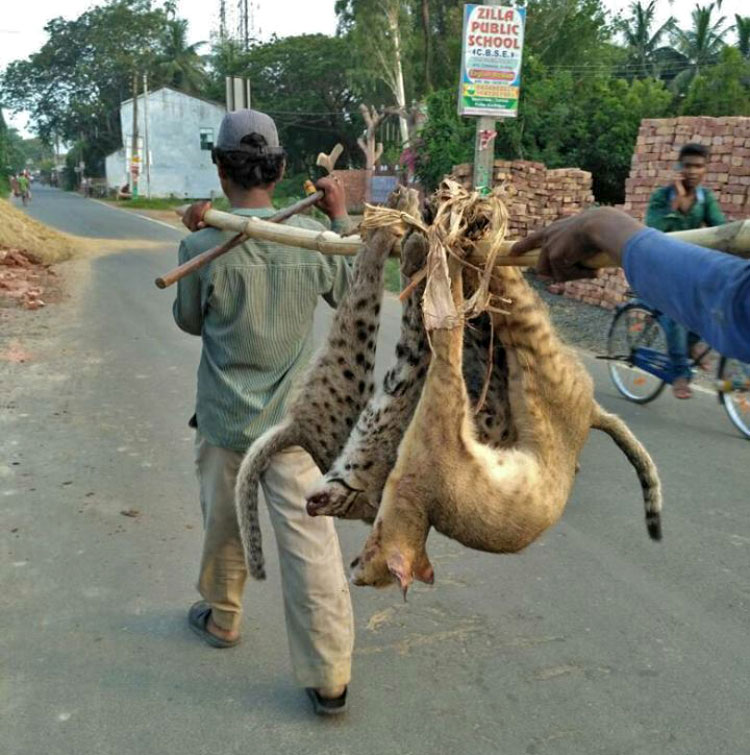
181	132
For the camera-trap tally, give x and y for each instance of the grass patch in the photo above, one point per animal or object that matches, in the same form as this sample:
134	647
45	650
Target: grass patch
144	203
393	275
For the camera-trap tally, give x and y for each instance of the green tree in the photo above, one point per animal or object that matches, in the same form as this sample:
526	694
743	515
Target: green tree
179	64
742	27
74	84
641	40
303	82
721	89
381	31
701	44
569	33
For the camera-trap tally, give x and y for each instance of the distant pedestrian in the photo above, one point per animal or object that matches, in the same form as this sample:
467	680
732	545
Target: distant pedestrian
23	188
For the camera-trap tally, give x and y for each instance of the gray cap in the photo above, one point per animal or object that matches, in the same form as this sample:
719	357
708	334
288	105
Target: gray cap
241	123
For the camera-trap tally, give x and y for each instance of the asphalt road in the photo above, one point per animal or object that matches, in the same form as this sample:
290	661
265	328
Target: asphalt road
594	640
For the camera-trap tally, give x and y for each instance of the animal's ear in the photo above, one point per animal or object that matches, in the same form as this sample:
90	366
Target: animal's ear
401	570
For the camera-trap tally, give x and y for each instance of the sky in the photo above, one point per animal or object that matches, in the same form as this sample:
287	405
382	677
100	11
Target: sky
22	32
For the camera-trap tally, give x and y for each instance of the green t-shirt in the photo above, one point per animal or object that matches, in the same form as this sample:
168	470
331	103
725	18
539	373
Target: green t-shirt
704	212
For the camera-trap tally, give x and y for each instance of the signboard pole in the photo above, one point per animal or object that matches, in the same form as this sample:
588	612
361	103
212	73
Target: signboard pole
484	153
490	80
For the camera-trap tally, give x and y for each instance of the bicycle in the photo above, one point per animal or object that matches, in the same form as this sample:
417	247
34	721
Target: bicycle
640	367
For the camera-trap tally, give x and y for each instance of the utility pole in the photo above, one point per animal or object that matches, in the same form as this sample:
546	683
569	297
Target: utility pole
134	143
222	20
146	143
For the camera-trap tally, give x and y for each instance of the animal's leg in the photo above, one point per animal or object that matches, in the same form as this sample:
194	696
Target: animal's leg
641	461
335	387
395	548
354	483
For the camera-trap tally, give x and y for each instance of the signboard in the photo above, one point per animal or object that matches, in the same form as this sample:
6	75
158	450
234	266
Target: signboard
381	187
490	81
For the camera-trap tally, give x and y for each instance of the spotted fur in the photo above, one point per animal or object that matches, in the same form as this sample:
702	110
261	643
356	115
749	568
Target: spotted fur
353	485
335	388
491	499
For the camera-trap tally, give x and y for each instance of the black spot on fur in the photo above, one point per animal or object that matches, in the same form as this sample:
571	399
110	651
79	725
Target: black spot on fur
361	386
341	361
367	465
371	328
348	374
376	309
360	358
361	335
360	323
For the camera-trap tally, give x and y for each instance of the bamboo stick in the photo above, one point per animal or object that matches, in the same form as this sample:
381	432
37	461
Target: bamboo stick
733	238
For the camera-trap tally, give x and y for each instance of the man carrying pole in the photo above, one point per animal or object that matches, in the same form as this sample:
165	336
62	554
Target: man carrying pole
253	308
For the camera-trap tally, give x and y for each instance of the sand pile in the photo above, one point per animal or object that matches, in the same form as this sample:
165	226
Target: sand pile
37	241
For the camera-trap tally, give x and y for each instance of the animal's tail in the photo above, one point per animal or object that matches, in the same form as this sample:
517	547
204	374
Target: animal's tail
641	461
256	461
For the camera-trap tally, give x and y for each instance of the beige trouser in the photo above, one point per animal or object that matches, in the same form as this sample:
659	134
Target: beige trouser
317	606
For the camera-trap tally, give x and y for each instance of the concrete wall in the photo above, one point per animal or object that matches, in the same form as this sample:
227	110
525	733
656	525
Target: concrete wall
178	164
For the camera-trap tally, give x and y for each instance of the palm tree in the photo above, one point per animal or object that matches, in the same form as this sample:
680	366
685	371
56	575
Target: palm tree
641	43
178	63
742	27
701	44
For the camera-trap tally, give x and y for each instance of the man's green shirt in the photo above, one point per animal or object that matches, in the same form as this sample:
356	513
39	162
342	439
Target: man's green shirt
704	212
253	308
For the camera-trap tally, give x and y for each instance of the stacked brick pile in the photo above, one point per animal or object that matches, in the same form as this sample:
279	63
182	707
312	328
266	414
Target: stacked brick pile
535	196
656	152
22	281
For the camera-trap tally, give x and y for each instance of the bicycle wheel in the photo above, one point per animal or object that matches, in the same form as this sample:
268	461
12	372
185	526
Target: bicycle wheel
734	392
635	329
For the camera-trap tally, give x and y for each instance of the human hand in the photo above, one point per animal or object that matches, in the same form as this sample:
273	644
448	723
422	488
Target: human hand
564	245
679	185
333	202
193	217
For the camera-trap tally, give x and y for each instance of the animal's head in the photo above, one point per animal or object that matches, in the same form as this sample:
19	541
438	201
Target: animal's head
335	496
380	566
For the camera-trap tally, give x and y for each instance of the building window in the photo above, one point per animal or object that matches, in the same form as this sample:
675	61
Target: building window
207	139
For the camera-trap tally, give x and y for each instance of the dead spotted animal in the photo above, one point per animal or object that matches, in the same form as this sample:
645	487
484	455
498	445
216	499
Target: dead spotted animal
497	500
334	390
353	486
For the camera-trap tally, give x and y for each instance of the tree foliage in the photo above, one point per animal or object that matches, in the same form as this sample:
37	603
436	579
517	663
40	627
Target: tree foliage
721	89
73	86
588	79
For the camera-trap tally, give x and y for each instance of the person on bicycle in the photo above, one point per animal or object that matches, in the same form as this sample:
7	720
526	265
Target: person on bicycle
709	291
681	206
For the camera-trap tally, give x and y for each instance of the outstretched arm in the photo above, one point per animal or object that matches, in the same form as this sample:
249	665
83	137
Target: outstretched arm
706	291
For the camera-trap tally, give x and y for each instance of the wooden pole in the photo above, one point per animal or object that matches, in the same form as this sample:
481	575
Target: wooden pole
732	238
134	143
146	145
